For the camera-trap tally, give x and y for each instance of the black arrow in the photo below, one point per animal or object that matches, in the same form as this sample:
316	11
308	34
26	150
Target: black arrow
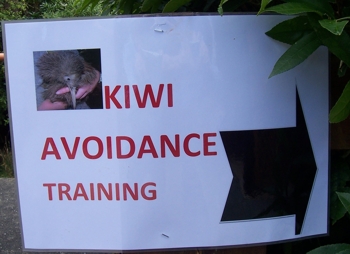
273	171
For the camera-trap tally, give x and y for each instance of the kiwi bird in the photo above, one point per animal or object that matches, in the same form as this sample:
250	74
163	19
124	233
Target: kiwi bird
59	69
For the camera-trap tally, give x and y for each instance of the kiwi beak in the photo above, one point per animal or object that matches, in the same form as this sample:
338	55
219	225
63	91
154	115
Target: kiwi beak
74	100
69	79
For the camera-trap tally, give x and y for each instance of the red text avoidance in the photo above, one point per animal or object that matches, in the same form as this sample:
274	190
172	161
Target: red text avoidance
100	191
124	147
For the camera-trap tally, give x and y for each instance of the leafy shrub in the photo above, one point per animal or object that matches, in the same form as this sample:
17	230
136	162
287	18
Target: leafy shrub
6	164
317	23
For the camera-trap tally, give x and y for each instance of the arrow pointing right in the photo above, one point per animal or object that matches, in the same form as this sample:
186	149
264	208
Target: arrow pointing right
273	171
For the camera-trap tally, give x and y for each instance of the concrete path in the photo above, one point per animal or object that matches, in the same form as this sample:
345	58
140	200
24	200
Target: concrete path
10	239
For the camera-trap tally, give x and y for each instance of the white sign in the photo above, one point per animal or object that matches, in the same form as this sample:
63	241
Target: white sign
182	142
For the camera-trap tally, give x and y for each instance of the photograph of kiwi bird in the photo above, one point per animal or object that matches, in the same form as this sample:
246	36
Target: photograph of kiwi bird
59	69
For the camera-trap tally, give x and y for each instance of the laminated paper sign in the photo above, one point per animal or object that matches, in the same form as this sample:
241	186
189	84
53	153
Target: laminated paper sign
182	141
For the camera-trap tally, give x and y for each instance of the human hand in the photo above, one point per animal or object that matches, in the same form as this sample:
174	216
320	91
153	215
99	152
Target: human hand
48	105
83	90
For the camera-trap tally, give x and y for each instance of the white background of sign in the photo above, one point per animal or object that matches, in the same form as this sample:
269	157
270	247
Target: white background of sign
219	68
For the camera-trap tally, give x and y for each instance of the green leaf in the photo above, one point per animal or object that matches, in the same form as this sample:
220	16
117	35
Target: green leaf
173	5
340	176
263	5
337	44
333	26
86	3
332	248
148	4
322	6
291	30
337	210
220	10
296	54
341	109
120	6
292	8
345	199
156	7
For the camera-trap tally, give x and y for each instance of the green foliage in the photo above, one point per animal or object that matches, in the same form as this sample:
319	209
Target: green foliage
150	5
296	54
120	7
11	10
3	100
342	107
291	30
345	200
340	179
6	165
164	6
333	248
334	26
174	5
293	8
319	22
67	8
337	44
263	5
220	9
303	6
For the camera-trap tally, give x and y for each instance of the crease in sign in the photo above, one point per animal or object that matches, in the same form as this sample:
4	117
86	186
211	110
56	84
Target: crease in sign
274	171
